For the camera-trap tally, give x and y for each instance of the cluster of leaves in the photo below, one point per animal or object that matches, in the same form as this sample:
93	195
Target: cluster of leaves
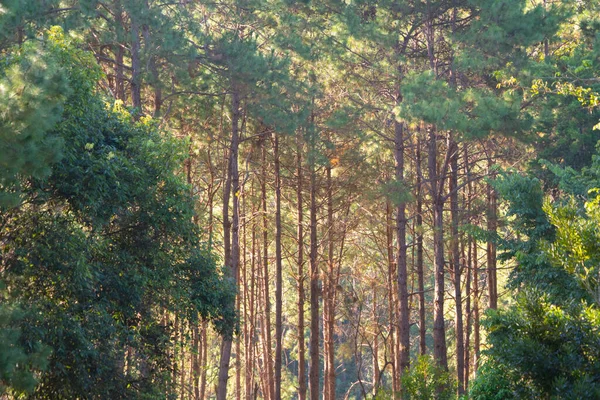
427	380
546	345
100	246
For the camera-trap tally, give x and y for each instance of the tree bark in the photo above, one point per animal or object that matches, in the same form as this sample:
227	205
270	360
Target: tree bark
491	246
278	273
455	263
328	300
403	298
119	53
152	68
204	344
266	281
231	256
392	297
437	184
419	244
314	377
376	372
301	295
476	332
136	72
468	257
251	322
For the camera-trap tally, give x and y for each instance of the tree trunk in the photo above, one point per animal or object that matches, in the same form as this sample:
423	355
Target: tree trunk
136	72
392	298
251	322
241	297
491	246
455	263
204	344
403	298
476	333
278	273
376	372
195	351
176	348
266	281
419	244
231	256
437	184
195	360
328	300
182	388
152	67
301	295
314	378
203	356
467	260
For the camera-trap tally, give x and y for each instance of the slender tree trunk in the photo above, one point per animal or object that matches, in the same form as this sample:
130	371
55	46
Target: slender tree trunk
328	299
195	353
175	367
242	295
152	66
476	294
392	298
232	259
314	378
266	282
119	74
278	273
301	295
437	184
119	54
204	345
455	262
264	372
247	293
182	388
491	246
546	41
196	360
468	262
430	40
136	72
250	341
376	372
203	356
419	244
403	298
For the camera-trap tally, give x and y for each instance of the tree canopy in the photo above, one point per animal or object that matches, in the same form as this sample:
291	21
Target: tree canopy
289	200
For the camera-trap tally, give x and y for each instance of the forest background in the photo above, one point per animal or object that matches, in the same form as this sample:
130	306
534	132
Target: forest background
299	199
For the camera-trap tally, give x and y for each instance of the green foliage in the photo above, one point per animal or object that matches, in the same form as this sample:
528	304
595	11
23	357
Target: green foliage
503	31
546	345
525	198
397	192
540	350
493	382
18	358
102	246
471	112
33	89
532	231
36	80
425	380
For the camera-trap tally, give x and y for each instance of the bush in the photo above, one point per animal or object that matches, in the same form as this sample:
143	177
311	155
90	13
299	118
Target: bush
425	380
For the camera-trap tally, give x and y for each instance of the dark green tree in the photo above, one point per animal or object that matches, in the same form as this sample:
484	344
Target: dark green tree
545	346
103	246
